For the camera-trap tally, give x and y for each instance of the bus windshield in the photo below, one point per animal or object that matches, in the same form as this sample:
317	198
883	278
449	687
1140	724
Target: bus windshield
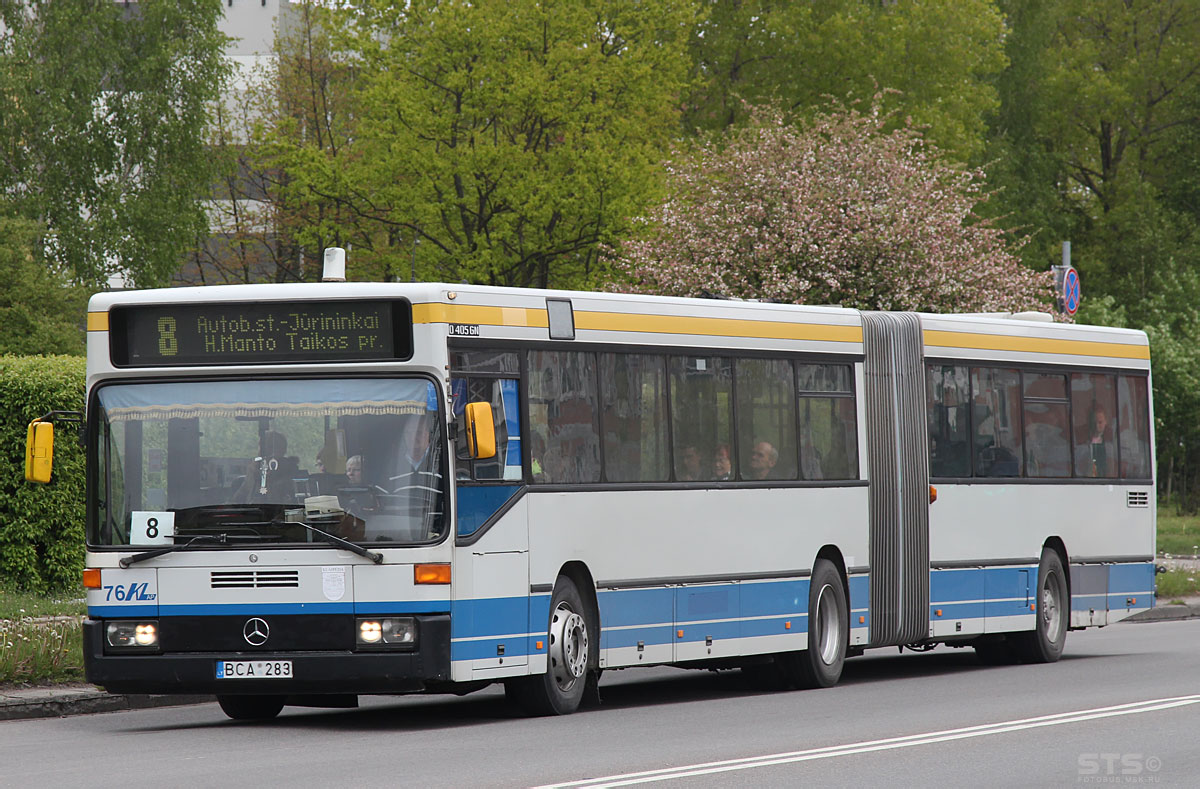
266	462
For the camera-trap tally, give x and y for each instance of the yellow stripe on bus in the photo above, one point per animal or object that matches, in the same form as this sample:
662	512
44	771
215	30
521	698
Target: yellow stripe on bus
720	327
433	312
627	322
484	316
994	342
97	321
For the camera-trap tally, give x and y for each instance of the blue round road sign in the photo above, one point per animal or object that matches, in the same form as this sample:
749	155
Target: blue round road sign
1070	291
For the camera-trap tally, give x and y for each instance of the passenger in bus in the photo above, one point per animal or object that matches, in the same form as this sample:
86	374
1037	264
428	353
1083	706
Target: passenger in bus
1096	460
722	463
763	458
689	467
354	470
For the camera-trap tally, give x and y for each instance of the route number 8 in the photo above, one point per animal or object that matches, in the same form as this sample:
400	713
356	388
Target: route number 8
152	528
168	345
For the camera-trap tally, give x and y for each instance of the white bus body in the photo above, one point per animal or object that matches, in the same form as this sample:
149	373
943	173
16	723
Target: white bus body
667	570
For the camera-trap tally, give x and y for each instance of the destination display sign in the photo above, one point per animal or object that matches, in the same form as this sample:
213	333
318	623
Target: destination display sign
260	333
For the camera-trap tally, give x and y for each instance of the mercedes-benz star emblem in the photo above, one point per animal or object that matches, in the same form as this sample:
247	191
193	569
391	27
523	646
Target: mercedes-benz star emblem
256	631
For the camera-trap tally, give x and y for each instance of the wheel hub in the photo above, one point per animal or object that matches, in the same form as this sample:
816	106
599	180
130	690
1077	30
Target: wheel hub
828	626
568	646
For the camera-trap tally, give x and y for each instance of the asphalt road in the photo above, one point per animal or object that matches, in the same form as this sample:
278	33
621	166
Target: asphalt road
1121	707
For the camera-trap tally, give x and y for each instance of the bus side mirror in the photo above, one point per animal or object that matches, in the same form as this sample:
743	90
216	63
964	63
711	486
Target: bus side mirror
39	452
481	431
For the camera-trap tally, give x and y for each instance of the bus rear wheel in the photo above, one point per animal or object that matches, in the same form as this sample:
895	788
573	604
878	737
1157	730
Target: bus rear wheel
570	657
820	666
251	708
1045	643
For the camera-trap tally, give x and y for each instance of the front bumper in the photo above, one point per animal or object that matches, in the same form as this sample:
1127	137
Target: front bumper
334	671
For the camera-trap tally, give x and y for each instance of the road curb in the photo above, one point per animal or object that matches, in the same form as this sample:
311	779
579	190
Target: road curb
58	702
1166	613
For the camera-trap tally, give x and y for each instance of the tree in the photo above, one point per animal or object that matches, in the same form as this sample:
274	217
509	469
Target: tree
1093	143
102	116
509	140
939	58
839	210
41	311
1097	113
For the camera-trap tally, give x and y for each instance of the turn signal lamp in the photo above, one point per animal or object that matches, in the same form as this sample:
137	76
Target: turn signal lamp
431	574
91	578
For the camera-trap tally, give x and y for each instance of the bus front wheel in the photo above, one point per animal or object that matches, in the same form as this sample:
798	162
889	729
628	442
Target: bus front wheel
251	708
569	657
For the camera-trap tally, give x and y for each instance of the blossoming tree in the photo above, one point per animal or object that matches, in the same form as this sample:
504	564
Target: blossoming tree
837	211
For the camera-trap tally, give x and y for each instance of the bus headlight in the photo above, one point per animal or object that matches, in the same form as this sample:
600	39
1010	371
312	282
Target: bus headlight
383	632
131	634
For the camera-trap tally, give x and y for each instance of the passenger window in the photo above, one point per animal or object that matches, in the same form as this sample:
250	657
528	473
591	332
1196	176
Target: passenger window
1133	420
947	395
828	422
633	393
1047	426
1093	405
701	416
996	403
766	399
563	425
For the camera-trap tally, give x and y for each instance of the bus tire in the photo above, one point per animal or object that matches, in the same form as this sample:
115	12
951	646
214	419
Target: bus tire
251	708
820	666
1044	644
570	657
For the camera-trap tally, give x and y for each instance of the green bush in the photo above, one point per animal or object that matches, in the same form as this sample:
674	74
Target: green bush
41	526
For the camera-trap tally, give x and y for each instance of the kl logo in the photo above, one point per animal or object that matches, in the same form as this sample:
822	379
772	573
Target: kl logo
139	592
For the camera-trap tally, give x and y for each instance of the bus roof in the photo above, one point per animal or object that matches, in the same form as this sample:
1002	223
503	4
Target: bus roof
521	314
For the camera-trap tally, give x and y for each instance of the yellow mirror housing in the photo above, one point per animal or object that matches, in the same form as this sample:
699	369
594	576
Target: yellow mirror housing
39	451
481	431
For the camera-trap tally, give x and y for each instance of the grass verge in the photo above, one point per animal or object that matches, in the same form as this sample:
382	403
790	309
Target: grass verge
1175	585
14	605
41	639
1178	535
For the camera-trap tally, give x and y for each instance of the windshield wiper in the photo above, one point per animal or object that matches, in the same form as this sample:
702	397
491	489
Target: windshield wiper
333	539
224	539
183	546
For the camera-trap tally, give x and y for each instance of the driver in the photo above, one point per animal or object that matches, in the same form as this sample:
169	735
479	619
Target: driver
269	476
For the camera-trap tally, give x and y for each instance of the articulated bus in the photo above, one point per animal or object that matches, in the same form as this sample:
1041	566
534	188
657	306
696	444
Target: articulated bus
302	493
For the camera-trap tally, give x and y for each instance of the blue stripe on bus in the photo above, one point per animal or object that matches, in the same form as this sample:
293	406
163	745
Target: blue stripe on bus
753	628
1130	578
488	648
122	611
493	616
244	609
403	607
1086	602
616	639
1121	602
235	609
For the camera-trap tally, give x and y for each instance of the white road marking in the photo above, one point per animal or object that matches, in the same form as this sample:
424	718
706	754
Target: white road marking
908	741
